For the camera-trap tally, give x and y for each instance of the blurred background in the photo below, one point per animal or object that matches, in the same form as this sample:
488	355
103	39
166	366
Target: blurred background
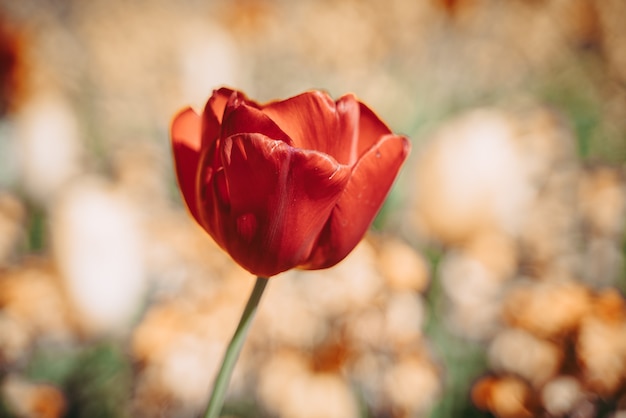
491	284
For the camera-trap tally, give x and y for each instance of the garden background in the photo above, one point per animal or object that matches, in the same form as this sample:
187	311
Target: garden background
492	281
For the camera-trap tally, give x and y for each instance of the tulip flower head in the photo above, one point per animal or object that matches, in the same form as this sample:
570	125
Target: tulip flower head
288	184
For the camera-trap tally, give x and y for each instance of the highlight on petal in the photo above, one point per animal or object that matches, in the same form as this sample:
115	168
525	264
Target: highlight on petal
371	180
371	129
311	120
218	100
346	143
186	146
280	199
213	114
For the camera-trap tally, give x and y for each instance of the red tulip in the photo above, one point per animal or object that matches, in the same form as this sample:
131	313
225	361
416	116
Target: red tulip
292	183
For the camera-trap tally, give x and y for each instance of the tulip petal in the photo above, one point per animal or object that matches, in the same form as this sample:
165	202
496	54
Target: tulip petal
186	142
279	199
347	139
371	180
218	100
213	114
240	118
312	121
371	129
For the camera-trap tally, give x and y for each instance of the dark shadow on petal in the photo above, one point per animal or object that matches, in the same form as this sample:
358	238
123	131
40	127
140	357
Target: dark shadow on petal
240	118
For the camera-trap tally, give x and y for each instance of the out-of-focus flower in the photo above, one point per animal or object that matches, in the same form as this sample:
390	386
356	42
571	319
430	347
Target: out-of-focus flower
474	292
292	183
28	294
488	170
402	266
565	368
11	71
560	395
98	249
506	397
455	7
12	214
32	400
412	384
517	351
602	206
48	145
613	36
472	175
547	309
601	344
291	389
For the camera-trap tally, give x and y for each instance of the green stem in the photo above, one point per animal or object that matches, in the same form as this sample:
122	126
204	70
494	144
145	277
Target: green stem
216	401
